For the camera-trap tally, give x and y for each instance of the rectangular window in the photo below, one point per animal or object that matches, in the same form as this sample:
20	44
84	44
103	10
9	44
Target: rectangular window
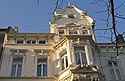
31	42
73	32
42	42
19	41
61	32
42	67
80	55
114	70
84	32
17	67
64	60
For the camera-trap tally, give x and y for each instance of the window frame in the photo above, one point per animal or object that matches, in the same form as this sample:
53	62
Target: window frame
73	32
45	42
19	41
64	64
30	42
63	59
61	32
116	72
36	66
11	65
80	52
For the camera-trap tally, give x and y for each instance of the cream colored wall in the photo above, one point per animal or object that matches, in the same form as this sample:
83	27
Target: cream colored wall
29	61
28	79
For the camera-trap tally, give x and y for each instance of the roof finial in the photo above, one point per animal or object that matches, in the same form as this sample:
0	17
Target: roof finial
70	5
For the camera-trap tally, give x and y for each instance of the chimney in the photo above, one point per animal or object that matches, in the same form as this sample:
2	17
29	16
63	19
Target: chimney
16	28
120	38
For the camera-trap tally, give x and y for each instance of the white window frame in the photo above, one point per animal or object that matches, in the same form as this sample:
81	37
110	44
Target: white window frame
115	69
39	57
64	58
11	62
80	50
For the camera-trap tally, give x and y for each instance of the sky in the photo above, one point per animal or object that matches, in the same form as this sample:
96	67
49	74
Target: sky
31	16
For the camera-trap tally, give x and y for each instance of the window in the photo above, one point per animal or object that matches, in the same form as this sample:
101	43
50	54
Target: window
31	42
73	32
42	67
17	66
71	16
61	32
114	70
64	60
19	41
84	31
42	42
80	55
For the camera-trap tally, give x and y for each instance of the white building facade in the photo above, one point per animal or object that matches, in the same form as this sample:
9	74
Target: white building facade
68	53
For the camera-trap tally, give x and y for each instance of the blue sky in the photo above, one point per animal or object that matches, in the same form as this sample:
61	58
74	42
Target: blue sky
32	17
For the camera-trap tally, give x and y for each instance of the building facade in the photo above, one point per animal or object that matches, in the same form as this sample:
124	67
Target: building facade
69	52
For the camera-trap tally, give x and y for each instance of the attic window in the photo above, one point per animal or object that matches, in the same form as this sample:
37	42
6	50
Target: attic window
71	16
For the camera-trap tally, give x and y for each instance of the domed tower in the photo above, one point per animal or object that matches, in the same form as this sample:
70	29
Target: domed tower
75	43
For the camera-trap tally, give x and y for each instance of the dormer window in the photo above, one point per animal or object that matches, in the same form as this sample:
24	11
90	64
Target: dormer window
71	16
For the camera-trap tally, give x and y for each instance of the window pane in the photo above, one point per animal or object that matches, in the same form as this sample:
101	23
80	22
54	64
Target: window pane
62	63
13	71
66	60
17	66
33	42
80	56
44	60
19	70
28	41
118	74
42	42
115	64
61	31
19	41
84	60
44	70
18	60
39	67
42	67
77	58
113	74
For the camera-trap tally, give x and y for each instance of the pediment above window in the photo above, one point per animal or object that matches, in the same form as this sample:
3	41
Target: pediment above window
18	51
